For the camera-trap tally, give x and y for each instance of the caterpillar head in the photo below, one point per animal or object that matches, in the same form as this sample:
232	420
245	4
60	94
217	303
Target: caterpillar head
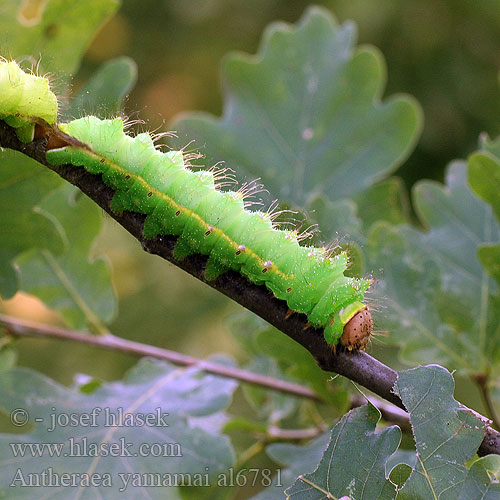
357	331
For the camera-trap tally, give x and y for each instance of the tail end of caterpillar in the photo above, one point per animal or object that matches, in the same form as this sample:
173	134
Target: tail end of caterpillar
357	330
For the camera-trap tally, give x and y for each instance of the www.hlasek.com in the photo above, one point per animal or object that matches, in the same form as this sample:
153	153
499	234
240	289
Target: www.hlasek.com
49	478
82	447
109	446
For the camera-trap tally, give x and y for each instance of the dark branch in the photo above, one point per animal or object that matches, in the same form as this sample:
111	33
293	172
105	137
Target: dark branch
357	366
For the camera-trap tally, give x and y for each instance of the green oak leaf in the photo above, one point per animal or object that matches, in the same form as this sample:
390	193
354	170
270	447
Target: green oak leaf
353	465
484	178
446	435
57	30
23	224
483	480
297	460
188	396
305	115
104	92
74	284
435	298
407	292
458	222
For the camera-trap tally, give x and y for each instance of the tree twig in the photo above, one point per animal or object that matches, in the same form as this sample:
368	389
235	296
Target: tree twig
357	366
23	328
278	434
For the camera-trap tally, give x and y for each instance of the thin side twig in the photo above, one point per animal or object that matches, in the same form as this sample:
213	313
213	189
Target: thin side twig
23	328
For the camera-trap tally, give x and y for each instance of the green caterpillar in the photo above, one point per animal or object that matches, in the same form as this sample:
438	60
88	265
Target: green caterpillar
25	100
186	204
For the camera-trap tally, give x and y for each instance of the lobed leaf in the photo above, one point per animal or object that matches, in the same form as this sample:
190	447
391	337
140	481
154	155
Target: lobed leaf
353	465
436	299
297	460
305	114
446	435
152	387
358	459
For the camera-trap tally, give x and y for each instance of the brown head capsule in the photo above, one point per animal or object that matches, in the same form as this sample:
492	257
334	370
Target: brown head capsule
357	331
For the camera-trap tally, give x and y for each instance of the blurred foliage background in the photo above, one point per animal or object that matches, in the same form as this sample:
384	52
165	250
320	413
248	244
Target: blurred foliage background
446	53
